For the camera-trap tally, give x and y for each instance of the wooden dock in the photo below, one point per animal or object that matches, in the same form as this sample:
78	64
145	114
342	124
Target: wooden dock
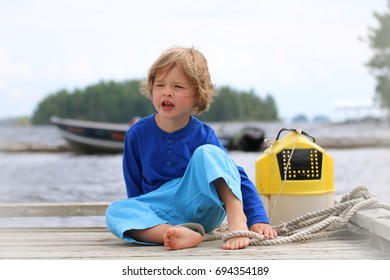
97	243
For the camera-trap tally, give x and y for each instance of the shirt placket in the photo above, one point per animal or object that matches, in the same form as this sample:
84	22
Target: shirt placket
170	143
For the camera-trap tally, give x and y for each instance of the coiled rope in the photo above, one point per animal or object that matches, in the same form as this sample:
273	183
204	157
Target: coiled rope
328	222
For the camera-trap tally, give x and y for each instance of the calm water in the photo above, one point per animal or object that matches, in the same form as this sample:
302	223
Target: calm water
70	177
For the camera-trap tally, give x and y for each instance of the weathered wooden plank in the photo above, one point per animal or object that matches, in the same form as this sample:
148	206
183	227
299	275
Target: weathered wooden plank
205	251
53	229
202	252
98	243
377	221
53	209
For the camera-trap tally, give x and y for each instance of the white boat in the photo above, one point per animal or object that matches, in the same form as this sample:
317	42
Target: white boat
92	137
103	137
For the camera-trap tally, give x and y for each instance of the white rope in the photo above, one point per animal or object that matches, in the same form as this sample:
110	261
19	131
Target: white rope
331	221
299	132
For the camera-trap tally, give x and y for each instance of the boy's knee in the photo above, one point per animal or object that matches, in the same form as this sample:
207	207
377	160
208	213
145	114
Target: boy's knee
208	149
112	209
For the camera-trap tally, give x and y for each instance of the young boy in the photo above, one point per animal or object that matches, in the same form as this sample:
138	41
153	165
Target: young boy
175	168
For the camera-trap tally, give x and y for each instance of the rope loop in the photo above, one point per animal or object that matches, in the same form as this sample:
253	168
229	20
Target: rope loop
332	221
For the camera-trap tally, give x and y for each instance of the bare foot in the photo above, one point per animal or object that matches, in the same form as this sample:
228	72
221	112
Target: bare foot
179	237
235	215
237	242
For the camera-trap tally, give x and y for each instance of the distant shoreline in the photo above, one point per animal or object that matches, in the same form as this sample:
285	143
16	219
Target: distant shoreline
353	142
324	142
47	139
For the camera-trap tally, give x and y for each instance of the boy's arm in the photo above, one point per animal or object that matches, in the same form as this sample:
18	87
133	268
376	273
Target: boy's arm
254	209
131	168
253	206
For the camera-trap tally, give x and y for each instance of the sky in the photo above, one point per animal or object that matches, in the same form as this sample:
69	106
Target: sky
309	55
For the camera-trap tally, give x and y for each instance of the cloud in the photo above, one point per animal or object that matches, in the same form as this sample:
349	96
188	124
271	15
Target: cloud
10	67
286	48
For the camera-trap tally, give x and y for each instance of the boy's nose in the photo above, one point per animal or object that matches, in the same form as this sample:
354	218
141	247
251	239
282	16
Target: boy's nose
167	92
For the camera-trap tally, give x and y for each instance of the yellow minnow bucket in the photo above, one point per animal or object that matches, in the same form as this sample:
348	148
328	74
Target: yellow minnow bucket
294	176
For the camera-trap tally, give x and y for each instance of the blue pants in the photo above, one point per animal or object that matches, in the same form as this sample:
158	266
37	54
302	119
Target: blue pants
192	198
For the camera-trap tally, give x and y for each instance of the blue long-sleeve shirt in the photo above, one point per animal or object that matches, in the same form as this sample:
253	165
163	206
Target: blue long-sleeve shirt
153	157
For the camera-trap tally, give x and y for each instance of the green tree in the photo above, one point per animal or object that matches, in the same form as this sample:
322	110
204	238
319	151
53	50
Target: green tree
104	101
380	62
233	105
122	101
55	104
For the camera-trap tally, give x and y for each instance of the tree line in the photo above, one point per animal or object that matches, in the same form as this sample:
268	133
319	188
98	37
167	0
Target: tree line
379	64
121	101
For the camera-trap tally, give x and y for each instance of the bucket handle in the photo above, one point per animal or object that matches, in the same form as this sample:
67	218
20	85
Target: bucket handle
297	131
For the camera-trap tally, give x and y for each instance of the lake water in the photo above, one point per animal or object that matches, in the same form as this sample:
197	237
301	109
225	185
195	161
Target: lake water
70	177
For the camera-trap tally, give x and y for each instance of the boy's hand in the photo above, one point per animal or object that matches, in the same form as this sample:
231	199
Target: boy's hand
264	229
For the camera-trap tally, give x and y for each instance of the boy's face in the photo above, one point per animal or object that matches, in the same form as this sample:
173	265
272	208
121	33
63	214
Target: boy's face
173	95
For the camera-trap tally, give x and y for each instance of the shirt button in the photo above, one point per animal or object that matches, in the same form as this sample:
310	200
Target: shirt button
169	163
170	142
170	153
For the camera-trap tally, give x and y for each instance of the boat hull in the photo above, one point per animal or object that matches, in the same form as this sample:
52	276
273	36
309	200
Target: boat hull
100	137
92	137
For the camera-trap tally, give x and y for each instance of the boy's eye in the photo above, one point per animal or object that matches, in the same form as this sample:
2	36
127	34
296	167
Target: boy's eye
159	85
177	86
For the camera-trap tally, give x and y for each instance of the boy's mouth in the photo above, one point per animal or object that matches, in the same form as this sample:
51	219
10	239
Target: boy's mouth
167	104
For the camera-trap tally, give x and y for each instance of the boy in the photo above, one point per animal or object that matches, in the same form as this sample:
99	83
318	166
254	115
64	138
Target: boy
175	168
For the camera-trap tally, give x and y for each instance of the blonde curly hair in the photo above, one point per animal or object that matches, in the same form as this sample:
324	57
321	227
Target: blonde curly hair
194	65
